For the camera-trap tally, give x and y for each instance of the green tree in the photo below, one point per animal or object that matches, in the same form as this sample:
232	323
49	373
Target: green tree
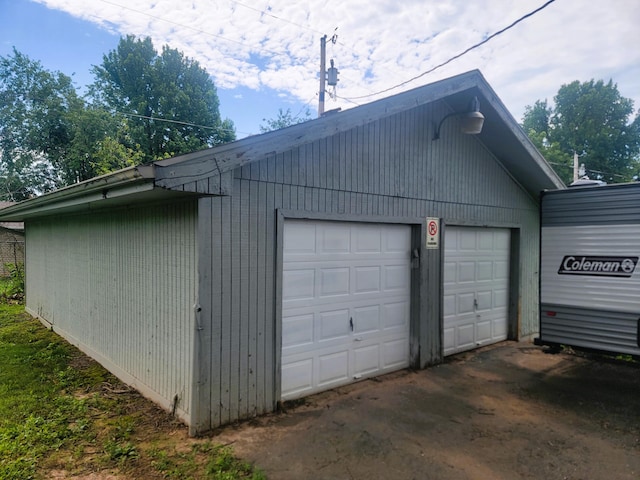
49	136
34	126
171	102
283	120
593	120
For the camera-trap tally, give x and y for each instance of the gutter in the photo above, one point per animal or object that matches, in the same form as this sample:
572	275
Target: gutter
123	182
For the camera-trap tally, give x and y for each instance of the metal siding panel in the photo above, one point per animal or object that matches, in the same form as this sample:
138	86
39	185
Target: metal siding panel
274	200
255	240
244	305
590	328
231	358
605	205
227	260
100	305
208	338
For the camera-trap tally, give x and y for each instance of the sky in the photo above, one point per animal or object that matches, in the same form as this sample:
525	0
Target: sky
264	55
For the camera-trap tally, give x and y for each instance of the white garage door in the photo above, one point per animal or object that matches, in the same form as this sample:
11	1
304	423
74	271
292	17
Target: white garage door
476	287
345	303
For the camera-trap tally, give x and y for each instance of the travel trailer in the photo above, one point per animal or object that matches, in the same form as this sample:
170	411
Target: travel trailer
589	274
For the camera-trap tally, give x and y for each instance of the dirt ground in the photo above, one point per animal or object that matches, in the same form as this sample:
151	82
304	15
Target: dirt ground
511	411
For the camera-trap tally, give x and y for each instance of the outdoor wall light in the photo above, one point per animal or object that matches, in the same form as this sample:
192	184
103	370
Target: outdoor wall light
471	121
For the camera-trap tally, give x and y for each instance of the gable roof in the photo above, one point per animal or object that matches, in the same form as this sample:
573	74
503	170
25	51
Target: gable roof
501	134
178	176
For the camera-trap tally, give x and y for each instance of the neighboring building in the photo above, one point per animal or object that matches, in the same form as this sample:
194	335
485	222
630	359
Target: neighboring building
11	243
221	282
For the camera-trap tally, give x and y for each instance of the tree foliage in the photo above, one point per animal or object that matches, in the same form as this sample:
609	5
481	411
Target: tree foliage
171	102
145	106
593	120
283	120
34	125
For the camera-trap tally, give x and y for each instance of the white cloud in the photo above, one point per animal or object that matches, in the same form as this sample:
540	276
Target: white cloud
382	43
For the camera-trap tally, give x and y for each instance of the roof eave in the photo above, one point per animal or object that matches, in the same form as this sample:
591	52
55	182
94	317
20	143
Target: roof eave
124	182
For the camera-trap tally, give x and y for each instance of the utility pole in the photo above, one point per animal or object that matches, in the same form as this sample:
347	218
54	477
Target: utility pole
575	166
323	64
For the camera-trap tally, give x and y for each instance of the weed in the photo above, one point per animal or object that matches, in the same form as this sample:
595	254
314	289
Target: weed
14	288
225	466
121	452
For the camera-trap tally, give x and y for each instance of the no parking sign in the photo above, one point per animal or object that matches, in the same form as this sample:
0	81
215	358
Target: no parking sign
433	232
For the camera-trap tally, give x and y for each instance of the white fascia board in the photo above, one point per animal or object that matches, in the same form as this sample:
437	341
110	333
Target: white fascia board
133	180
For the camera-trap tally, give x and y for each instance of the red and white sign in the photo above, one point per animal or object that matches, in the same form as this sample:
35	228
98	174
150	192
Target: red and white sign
433	232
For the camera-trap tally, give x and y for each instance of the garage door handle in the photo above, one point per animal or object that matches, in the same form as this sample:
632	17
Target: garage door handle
351	323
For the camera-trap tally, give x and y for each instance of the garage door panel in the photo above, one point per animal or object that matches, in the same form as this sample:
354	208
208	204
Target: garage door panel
485	300
297	377
367	239
333	324
367	279
334	240
501	270
476	282
499	328
466	334
396	314
449	273
396	278
297	330
484	331
396	241
395	353
366	360
333	368
334	281
298	284
366	319
500	298
350	317
466	272
465	303
485	241
449	305
300	239
484	271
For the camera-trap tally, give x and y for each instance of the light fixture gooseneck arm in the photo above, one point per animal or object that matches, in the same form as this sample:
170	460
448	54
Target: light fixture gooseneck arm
436	133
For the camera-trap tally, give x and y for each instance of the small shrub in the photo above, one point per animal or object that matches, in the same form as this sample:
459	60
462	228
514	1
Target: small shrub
15	289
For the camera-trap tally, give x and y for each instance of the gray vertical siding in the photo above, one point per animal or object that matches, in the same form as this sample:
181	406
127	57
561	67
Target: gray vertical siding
122	285
386	169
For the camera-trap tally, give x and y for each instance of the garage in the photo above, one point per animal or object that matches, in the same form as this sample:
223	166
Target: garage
345	303
476	287
304	252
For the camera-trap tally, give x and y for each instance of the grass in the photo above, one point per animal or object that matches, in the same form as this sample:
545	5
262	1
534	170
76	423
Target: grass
63	415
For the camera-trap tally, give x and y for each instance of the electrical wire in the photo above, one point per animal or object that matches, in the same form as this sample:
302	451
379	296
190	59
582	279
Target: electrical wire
269	14
146	117
455	57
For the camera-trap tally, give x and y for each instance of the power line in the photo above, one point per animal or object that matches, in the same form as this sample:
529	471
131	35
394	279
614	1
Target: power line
493	35
165	120
269	14
158	119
